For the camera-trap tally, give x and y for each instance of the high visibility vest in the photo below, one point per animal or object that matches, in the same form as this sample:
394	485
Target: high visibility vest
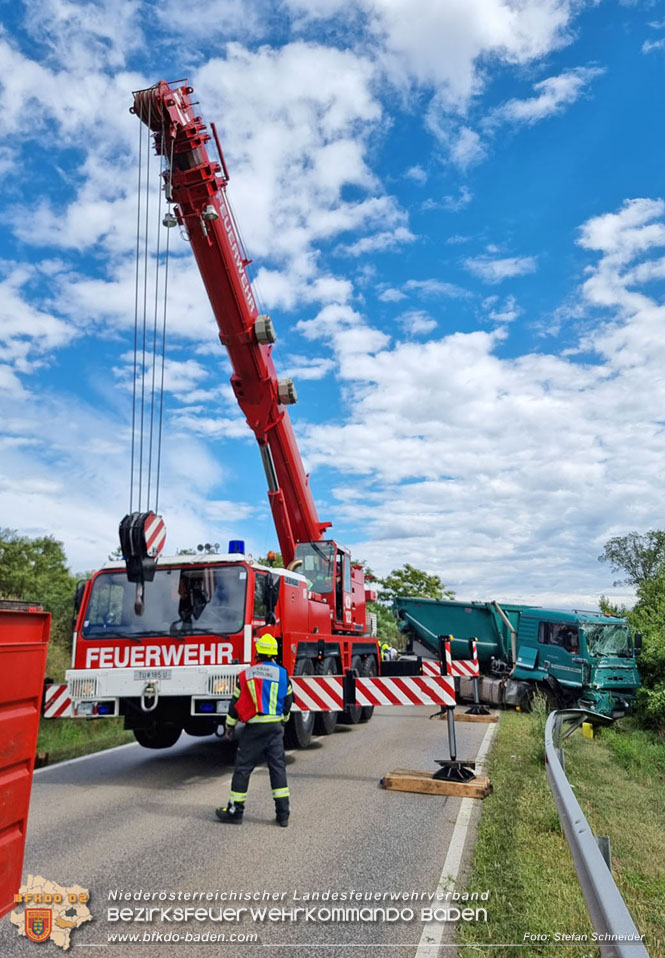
262	692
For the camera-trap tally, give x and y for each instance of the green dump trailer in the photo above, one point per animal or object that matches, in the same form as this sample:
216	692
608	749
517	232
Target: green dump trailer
573	657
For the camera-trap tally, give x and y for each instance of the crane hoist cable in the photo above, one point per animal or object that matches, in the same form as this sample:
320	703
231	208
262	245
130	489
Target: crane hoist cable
145	306
136	318
146	447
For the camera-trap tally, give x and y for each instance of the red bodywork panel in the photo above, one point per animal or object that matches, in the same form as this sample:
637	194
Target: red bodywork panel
23	648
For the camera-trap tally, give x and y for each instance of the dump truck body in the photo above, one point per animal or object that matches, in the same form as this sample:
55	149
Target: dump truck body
576	657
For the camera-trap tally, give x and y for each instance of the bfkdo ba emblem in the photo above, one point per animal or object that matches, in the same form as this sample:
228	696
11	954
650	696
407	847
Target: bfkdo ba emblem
38	923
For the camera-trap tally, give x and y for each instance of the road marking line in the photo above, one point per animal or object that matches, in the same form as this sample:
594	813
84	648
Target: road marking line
82	758
433	930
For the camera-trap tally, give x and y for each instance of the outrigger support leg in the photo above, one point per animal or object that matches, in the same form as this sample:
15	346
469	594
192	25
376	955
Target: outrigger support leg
451	770
476	708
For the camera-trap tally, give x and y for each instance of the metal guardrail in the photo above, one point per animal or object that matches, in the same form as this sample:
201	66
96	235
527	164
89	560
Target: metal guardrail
617	935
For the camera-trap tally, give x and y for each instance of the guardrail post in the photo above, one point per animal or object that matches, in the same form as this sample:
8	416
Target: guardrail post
603	842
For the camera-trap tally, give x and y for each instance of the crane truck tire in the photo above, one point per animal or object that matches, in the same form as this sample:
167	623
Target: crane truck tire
158	736
325	723
368	670
351	714
300	727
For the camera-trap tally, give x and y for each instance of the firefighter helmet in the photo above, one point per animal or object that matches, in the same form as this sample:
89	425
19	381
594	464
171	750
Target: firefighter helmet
266	644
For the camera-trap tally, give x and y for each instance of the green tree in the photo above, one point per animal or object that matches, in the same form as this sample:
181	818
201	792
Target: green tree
277	562
405	581
412	582
641	556
36	570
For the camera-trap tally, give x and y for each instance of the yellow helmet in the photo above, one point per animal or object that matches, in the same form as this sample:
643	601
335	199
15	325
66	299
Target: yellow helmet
266	644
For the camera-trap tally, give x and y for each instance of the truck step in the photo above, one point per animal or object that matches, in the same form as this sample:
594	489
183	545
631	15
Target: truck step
413	780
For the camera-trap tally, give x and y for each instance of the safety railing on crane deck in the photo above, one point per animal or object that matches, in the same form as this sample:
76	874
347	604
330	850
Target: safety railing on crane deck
617	934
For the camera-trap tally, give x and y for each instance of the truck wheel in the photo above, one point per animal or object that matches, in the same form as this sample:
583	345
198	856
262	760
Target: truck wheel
325	723
351	714
368	671
299	728
158	736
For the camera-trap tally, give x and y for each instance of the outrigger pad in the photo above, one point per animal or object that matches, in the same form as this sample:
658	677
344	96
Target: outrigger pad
142	537
454	771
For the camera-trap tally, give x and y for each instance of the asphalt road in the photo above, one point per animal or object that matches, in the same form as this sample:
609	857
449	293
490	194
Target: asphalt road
133	820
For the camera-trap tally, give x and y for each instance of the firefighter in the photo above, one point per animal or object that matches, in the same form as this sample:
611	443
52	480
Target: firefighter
262	698
384	651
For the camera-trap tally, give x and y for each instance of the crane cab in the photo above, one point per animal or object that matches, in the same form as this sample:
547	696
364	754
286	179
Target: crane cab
331	574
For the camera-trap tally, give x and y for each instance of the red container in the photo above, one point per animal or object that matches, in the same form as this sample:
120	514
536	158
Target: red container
24	639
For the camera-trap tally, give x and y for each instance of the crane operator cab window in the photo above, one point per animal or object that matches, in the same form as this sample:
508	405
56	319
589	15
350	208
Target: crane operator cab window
318	565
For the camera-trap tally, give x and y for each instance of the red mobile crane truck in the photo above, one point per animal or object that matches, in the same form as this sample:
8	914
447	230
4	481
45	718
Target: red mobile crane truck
173	666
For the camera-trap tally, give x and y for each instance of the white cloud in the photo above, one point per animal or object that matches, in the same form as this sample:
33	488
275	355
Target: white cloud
506	312
308	367
378	243
391	295
435	287
553	95
417	174
650	45
506	475
495	270
416	321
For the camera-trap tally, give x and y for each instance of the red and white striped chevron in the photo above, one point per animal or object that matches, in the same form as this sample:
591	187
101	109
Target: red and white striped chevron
154	533
406	690
318	693
325	693
57	703
466	668
459	667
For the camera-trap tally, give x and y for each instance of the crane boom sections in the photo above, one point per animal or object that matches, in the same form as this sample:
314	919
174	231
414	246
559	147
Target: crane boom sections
197	185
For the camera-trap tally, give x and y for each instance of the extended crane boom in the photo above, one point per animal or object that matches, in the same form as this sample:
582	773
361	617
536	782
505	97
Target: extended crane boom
198	186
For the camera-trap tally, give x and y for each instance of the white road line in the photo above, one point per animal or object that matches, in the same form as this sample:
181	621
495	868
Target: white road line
433	931
82	758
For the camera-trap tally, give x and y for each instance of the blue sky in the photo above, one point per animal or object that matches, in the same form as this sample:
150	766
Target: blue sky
456	219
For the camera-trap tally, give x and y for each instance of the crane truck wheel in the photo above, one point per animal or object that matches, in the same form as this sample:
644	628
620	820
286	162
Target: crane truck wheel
158	736
351	714
368	671
300	727
325	723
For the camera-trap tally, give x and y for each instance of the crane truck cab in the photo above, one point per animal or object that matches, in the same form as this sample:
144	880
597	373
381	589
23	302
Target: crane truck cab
174	667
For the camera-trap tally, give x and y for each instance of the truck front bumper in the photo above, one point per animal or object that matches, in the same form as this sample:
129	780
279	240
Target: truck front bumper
98	692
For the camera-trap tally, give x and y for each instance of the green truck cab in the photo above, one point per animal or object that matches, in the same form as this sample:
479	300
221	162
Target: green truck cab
576	658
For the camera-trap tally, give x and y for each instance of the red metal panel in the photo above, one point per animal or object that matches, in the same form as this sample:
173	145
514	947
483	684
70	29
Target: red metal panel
23	647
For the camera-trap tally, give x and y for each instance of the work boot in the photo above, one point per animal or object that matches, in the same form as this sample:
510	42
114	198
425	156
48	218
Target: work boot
282	812
232	813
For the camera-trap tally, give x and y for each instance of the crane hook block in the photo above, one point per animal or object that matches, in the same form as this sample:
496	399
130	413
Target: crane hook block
142	537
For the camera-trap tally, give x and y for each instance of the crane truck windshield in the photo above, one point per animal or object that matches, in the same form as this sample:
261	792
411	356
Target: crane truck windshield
610	639
203	601
318	564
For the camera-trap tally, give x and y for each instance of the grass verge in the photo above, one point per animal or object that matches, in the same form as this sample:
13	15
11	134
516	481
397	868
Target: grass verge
521	854
61	739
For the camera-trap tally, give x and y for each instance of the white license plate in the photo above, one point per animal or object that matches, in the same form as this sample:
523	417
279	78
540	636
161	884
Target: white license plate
145	675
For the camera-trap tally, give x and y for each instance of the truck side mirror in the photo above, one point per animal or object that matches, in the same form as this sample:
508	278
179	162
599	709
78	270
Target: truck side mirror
272	584
637	638
78	599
